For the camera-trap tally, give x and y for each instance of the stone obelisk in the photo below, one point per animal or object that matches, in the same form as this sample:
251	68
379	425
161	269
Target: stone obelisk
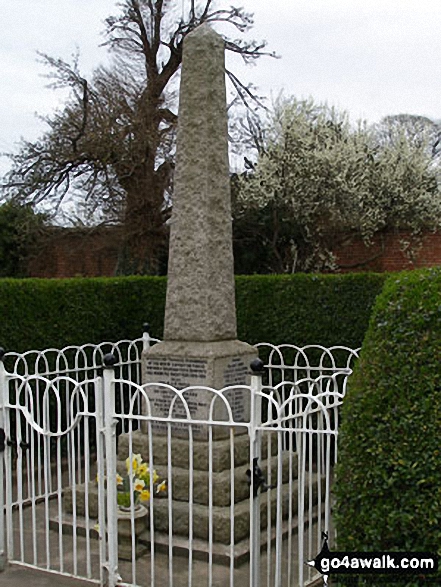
200	344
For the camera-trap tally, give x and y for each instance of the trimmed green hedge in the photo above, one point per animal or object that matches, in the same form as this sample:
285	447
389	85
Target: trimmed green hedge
306	309
299	309
388	488
43	313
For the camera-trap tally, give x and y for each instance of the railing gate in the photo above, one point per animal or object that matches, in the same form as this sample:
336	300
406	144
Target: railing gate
255	452
52	475
293	447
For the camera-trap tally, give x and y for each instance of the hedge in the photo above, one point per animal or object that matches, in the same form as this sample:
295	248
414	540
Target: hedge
46	313
388	489
306	309
299	309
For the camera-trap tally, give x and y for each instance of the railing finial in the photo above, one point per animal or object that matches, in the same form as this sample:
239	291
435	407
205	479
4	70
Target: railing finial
109	360
257	366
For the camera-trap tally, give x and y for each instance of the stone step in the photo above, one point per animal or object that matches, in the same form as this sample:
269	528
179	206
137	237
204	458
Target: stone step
138	443
222	554
220	483
221	516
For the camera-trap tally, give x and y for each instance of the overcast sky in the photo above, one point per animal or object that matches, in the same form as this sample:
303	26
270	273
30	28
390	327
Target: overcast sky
370	57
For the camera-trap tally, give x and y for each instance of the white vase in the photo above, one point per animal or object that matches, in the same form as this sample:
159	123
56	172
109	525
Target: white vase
125	538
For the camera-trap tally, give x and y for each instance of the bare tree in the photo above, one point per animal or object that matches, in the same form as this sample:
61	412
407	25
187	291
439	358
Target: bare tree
419	130
113	141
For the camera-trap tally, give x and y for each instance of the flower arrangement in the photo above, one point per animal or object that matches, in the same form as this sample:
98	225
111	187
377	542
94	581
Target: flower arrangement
135	485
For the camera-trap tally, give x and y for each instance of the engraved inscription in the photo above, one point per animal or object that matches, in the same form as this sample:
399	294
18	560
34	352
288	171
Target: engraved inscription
180	372
183	372
236	373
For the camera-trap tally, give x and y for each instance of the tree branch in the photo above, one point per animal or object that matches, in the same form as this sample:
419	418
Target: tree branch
206	9
249	51
244	91
150	55
85	110
157	26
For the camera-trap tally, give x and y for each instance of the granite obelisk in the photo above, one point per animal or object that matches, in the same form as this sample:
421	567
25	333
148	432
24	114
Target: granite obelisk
200	344
200	294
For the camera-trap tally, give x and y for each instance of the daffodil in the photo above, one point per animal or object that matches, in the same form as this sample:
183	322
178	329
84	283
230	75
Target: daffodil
138	484
144	495
142	470
132	464
162	486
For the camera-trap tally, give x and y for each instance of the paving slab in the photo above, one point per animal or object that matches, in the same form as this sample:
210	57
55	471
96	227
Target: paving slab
20	576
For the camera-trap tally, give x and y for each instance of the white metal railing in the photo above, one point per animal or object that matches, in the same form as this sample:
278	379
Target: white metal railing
287	362
296	416
36	369
38	472
83	361
307	426
62	429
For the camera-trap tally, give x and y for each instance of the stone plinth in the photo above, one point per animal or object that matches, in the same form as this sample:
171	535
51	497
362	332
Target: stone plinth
211	496
212	364
218	485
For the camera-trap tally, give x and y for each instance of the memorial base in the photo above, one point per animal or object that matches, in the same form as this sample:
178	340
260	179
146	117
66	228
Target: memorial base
198	365
200	441
218	517
214	508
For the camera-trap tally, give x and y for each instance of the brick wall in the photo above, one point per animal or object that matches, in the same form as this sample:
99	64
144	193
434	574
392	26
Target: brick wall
68	252
387	253
94	252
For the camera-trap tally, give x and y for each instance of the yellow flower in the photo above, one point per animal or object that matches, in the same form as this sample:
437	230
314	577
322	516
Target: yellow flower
144	495
133	463
142	469
119	479
162	486
155	476
138	484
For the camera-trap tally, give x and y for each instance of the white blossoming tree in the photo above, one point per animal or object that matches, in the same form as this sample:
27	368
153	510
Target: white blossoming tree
319	180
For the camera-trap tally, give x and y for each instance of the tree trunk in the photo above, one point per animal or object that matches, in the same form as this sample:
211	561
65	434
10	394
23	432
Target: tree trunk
144	248
145	232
